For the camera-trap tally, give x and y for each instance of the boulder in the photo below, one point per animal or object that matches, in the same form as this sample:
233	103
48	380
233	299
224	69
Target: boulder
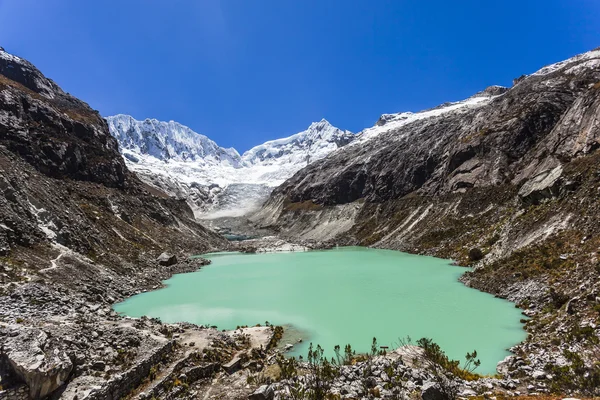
542	186
504	366
432	391
33	359
539	374
233	365
166	259
467	393
265	392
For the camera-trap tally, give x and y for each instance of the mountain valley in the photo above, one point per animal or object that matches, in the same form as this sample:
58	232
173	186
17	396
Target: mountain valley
97	210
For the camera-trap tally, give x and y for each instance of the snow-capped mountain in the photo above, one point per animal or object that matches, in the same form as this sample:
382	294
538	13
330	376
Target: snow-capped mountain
392	122
219	182
214	180
320	139
168	141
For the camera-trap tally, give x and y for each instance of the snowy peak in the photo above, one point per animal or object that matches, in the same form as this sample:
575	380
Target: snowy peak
320	139
391	122
171	141
217	181
573	65
167	141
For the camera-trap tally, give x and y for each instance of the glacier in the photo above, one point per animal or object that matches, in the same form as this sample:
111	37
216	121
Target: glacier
217	182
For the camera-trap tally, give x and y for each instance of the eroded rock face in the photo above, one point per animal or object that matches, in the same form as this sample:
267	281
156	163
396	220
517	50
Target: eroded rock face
542	186
265	392
34	359
63	181
58	134
547	118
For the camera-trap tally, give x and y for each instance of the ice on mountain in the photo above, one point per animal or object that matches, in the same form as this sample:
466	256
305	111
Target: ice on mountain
215	180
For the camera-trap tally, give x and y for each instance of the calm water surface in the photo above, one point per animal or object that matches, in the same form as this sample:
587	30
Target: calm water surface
347	295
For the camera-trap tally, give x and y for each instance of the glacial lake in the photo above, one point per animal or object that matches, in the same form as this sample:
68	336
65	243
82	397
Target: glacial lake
346	295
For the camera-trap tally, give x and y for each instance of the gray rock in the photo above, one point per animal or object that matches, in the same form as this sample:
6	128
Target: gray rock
166	259
468	393
99	365
539	374
432	391
43	371
265	392
503	366
233	365
542	186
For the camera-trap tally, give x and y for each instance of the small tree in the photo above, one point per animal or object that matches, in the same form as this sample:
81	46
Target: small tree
321	373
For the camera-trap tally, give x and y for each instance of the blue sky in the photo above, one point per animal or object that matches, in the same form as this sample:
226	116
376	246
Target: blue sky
245	71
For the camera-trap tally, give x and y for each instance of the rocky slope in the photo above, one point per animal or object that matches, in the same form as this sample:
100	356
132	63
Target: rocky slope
506	181
217	182
78	231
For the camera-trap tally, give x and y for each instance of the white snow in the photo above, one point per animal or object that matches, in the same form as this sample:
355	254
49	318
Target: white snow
10	57
594	54
394	121
176	159
320	139
168	141
175	151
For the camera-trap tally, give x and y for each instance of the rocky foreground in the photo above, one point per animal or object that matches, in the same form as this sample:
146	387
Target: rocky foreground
68	343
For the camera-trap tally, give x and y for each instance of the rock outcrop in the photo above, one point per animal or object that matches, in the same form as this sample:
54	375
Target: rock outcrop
542	186
35	361
166	259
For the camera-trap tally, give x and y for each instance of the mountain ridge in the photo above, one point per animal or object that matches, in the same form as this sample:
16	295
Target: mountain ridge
182	163
78	231
203	179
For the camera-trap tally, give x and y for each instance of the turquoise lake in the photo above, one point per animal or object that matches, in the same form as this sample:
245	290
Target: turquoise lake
346	295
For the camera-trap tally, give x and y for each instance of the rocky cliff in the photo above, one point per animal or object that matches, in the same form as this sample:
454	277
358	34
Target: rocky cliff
65	183
78	231
506	181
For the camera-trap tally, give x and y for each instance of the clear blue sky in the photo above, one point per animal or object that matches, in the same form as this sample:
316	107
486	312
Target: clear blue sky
245	71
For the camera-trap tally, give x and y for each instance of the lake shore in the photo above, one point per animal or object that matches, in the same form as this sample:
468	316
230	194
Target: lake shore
105	352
